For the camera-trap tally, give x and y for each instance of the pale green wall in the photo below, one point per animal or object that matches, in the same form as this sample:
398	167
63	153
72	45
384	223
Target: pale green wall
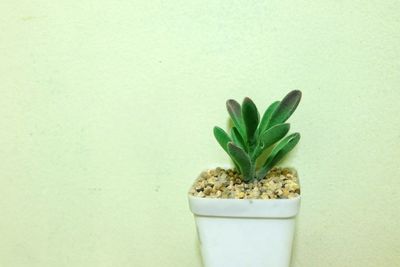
107	109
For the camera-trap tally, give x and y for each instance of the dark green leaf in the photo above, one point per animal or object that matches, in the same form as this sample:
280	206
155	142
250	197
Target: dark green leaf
266	117
250	118
222	138
243	160
274	134
285	108
279	151
237	138
235	112
270	137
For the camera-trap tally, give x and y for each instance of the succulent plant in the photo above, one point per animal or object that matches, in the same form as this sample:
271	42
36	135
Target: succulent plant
250	137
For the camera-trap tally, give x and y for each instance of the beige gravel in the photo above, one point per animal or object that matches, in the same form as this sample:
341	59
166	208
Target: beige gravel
279	183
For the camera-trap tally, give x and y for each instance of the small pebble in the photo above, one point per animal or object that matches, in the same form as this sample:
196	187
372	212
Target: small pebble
207	190
241	195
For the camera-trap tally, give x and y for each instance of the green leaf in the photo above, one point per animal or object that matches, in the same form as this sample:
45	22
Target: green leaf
270	137
279	151
284	147
243	161
222	138
237	138
266	117
274	134
285	108
250	117
235	111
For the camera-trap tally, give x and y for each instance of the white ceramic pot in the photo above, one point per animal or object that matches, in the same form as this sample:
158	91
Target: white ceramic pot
244	232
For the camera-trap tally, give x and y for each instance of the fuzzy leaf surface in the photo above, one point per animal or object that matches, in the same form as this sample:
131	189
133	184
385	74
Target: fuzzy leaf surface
238	139
279	151
271	136
222	137
274	134
285	108
243	160
250	117
267	116
235	112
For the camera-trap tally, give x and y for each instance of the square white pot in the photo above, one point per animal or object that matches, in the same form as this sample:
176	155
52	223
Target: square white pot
245	232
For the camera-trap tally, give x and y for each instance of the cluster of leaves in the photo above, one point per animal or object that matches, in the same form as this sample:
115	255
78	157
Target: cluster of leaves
250	137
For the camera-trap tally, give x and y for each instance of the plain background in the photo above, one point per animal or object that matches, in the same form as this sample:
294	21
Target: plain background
107	109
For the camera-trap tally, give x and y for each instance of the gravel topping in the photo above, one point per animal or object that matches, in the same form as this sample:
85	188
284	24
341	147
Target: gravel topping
279	183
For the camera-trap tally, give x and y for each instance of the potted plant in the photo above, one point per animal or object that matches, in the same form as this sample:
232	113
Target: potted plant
245	214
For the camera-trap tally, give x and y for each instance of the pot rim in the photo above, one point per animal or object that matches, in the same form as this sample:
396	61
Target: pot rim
244	208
